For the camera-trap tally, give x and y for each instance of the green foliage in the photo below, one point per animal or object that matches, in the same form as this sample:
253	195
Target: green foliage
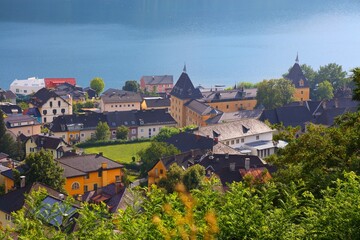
79	105
102	131
23	105
246	85
7	144
95	143
97	84
132	86
274	93
333	73
324	91
43	168
154	152
122	132
287	134
356	80
193	176
165	133
174	176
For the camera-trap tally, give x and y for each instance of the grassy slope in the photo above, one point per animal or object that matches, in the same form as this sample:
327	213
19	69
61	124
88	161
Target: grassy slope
121	153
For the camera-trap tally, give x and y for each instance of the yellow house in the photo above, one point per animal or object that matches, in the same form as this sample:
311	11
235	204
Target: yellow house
89	172
55	145
22	124
119	100
157	172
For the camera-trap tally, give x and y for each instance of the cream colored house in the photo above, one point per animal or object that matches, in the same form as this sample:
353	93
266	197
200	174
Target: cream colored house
50	105
57	146
22	124
114	100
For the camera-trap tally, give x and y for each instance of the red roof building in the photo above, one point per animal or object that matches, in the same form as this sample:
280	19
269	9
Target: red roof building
53	82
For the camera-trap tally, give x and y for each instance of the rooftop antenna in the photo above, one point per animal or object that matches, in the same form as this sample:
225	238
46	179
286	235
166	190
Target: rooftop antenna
184	69
297	57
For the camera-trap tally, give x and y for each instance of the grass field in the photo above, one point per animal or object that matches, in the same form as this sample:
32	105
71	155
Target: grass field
121	153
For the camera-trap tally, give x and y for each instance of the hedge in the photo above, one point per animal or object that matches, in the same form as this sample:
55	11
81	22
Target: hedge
92	143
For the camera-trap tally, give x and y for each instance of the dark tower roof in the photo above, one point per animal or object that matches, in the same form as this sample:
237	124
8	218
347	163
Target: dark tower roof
296	75
184	89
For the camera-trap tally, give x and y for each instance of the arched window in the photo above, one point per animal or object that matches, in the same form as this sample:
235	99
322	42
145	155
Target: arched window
75	186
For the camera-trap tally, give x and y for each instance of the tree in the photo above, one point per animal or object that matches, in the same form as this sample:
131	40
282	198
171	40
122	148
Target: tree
246	85
149	156
97	84
333	73
174	176
7	143
43	168
193	176
324	91
165	133
122	132
102	131
275	93
132	86
356	80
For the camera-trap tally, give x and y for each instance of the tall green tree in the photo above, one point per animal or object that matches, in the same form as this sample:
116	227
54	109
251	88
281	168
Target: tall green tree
356	80
275	93
132	86
97	84
324	91
102	131
43	168
193	176
149	156
7	144
174	176
122	132
333	73
165	133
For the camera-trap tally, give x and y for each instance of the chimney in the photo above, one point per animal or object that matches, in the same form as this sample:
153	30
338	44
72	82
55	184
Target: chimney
118	187
232	166
216	139
79	197
61	196
247	164
22	181
197	136
104	165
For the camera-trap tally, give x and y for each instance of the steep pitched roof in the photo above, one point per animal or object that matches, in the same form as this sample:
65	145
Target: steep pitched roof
201	108
184	88
153	80
235	129
328	116
42	96
86	164
20	119
10	109
296	75
47	142
185	142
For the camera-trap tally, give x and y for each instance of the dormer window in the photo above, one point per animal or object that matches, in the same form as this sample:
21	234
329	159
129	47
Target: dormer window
301	83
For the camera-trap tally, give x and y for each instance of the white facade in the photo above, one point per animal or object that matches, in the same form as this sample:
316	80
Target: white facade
119	106
151	130
27	86
54	107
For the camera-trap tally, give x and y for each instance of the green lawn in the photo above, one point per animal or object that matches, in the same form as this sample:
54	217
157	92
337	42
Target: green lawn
121	153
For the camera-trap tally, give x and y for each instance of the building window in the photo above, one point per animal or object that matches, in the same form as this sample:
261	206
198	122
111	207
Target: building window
161	171
154	129
86	176
120	105
59	103
25	91
82	135
117	178
116	106
302	92
257	137
63	136
141	130
227	106
63	110
95	186
100	173
54	111
8	217
32	150
132	105
232	142
75	186
133	131
237	140
51	104
227	142
242	140
44	119
156	172
112	106
17	90
44	112
86	188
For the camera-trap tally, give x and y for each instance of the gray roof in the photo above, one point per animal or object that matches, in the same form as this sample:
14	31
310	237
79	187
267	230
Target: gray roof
154	80
201	108
295	75
20	119
120	96
86	164
236	129
184	88
155	103
234	116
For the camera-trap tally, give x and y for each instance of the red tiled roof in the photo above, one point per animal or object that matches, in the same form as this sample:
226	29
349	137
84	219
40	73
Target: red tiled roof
53	82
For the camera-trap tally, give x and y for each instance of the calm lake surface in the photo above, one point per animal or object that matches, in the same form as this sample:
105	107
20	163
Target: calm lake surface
222	42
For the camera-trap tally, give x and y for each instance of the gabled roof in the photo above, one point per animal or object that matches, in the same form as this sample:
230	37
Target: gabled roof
42	96
120	96
295	75
184	159
8	94
14	200
201	108
20	119
156	103
86	164
184	88
125	118
47	142
328	116
9	173
234	116
154	80
225	95
84	121
185	142
10	109
289	116
235	129
154	117
53	82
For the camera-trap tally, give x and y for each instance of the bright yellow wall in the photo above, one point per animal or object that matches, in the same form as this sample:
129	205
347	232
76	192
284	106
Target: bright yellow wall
301	94
143	105
154	178
9	184
233	106
3	222
178	111
108	177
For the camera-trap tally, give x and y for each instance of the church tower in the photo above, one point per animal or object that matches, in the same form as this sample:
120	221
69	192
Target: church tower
297	77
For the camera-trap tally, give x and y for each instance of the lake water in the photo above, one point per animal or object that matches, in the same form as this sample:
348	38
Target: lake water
222	42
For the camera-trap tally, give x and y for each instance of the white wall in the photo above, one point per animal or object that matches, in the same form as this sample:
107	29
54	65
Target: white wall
237	142
143	131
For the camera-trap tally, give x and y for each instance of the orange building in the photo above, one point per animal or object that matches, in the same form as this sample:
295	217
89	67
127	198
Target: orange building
89	172
297	77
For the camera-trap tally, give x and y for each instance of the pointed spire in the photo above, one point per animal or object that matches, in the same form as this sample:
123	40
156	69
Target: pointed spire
297	58
184	69
235	86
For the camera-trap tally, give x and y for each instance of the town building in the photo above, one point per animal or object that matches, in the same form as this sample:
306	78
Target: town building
77	94
27	86
155	103
123	118
76	128
52	83
57	146
22	124
9	108
119	100
301	83
85	173
7	96
157	84
50	104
